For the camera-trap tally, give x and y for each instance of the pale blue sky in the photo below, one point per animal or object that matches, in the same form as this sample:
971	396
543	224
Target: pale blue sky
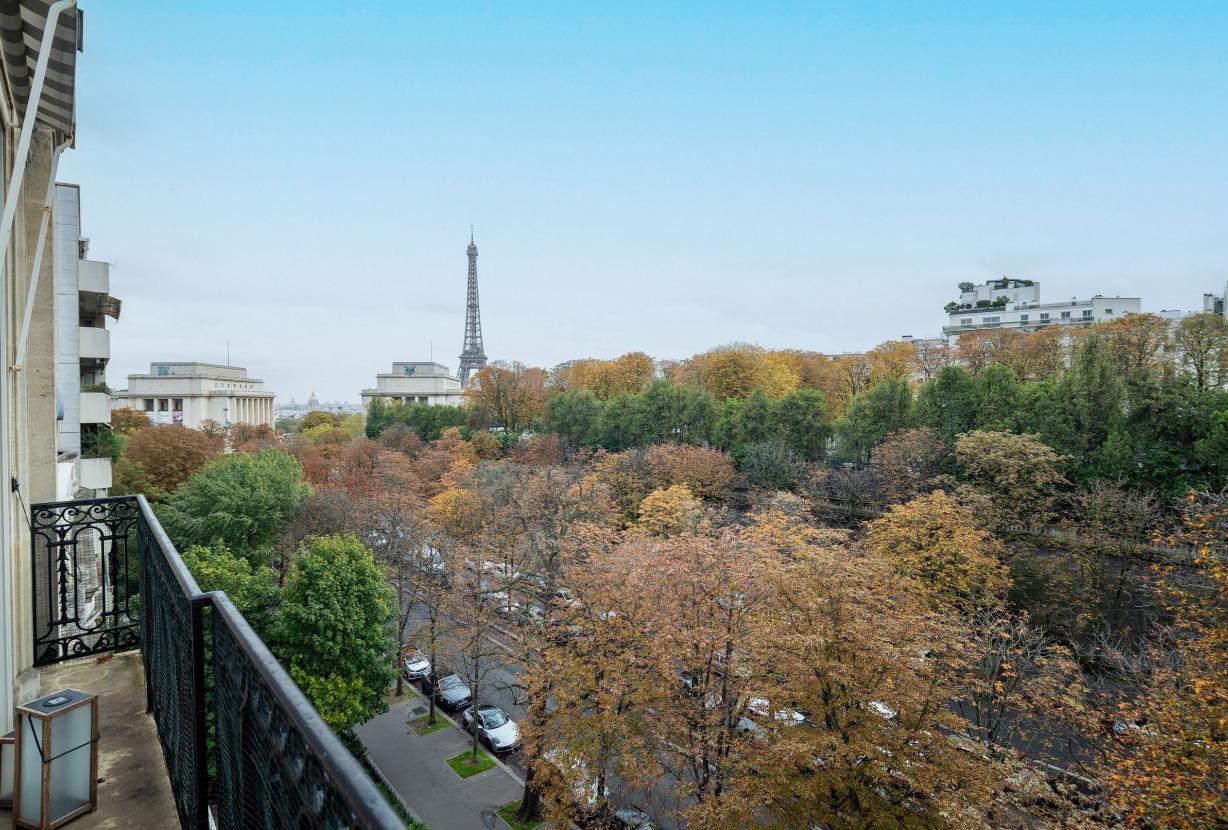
299	178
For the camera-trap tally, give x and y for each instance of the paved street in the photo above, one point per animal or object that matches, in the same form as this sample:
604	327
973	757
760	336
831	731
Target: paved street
416	768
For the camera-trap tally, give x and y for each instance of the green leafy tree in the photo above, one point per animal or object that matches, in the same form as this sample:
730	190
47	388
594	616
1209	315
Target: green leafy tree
334	627
617	427
239	500
770	464
948	403
252	589
872	416
1014	477
801	421
996	398
573	417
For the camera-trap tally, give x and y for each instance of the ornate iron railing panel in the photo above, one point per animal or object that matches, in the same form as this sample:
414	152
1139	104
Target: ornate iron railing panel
275	763
84	574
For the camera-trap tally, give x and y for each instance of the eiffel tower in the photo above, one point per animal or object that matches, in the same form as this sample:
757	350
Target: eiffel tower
473	355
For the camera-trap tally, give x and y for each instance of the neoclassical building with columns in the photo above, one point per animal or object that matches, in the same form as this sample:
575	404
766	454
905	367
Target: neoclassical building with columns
190	393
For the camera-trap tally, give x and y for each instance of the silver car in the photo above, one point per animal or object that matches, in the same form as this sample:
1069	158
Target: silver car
416	665
495	729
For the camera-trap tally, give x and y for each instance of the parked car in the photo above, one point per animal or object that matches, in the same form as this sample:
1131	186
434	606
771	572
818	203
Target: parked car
495	729
450	692
416	665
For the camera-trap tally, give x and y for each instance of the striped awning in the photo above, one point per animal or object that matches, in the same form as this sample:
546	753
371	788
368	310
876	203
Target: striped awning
21	36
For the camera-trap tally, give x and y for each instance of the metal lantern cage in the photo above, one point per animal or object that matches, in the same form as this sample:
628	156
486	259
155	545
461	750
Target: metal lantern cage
55	774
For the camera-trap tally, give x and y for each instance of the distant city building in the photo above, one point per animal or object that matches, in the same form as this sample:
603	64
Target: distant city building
415	383
1015	304
473	353
83	302
1216	304
191	393
294	410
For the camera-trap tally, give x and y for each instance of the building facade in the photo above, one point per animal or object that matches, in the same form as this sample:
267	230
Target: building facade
1015	304
1216	303
415	383
83	302
37	124
192	393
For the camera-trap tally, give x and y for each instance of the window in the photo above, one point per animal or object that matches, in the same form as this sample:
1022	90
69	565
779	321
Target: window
163	404
178	407
1044	316
992	321
1065	315
163	370
965	321
1087	314
1023	318
149	405
422	399
1108	311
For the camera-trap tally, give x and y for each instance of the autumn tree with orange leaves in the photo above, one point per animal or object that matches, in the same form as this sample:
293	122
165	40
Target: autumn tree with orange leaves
1169	768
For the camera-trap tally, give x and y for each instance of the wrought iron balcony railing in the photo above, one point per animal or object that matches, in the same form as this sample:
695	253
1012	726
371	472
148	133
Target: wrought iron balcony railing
240	740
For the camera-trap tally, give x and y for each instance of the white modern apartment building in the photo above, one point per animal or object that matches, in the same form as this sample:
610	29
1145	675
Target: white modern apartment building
415	383
192	393
1015	304
83	302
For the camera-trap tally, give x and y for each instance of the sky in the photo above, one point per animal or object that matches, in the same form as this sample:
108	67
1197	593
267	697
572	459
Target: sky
299	178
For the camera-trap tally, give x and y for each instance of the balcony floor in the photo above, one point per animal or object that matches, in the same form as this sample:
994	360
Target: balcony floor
133	789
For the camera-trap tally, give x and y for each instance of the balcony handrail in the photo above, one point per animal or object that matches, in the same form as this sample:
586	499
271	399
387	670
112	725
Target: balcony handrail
367	802
315	766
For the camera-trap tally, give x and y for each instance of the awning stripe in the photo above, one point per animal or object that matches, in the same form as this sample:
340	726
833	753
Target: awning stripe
22	23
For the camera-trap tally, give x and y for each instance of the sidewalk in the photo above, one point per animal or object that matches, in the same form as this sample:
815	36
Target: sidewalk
417	769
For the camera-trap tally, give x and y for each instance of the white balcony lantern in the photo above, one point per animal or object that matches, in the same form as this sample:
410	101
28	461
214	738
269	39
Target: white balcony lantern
56	770
6	770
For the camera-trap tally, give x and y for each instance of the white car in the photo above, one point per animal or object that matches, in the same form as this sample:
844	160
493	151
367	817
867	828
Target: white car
495	729
416	665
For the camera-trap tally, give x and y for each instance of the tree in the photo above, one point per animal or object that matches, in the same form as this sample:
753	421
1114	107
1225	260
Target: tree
1172	770
708	474
909	462
605	379
801	421
1015	678
393	531
1043	353
126	421
252	589
995	396
929	358
872	415
935	540
669	512
1093	393
1136	342
1016	477
333	630
239	500
770	464
169	455
318	417
510	395
890	360
572	415
1202	343
948	403
470	635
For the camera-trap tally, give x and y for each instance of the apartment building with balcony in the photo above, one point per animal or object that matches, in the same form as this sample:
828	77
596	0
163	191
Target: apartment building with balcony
415	382
1016	304
83	304
191	393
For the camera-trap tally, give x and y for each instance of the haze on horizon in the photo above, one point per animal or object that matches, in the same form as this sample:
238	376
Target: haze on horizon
300	181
